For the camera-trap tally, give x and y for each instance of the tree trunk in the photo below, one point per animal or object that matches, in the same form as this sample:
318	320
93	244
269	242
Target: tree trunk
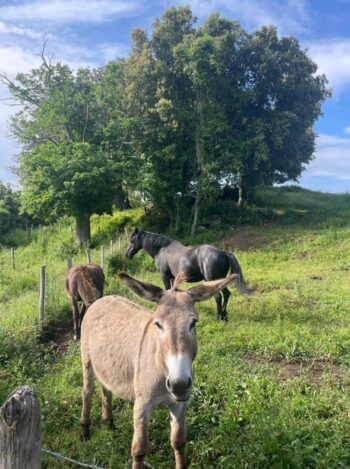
199	159
20	434
82	233
242	193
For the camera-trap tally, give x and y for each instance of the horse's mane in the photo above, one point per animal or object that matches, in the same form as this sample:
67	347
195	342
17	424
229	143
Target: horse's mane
153	242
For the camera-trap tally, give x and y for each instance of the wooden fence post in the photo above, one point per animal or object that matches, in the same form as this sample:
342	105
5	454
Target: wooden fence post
70	263
13	258
102	256
42	292
119	244
111	246
88	255
20	434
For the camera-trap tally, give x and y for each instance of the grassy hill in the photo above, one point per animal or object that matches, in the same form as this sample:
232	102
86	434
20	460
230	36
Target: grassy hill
272	386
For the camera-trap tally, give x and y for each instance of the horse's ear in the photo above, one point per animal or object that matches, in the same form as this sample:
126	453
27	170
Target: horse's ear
209	289
145	290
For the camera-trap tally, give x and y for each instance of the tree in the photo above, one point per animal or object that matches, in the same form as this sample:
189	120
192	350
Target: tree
217	104
71	129
160	105
9	208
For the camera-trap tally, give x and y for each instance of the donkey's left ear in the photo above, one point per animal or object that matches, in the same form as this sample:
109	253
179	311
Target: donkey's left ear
209	289
145	290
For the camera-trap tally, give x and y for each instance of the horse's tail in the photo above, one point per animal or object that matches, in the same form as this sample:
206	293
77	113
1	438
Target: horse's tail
240	283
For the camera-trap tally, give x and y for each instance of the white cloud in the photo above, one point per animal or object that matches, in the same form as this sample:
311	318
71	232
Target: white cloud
347	130
15	59
11	29
68	11
332	157
333	59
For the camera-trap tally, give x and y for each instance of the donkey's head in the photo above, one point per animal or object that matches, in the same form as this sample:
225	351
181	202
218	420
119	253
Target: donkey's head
135	243
175	326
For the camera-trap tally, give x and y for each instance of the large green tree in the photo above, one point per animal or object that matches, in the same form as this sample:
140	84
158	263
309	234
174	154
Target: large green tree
217	104
72	130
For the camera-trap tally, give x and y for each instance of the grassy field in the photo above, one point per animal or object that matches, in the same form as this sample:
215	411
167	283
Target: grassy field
272	386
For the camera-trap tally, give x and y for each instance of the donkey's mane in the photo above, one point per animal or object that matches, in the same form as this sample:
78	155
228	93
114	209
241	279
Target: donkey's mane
153	242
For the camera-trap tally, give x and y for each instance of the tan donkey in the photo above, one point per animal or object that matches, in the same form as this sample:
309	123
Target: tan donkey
145	356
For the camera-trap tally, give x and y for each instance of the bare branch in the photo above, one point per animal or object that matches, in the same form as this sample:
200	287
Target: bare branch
86	121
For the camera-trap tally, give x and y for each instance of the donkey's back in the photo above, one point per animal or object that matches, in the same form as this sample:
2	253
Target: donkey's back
84	283
121	324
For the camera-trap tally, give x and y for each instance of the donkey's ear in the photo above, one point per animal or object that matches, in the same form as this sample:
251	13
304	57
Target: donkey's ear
136	230
209	289
145	290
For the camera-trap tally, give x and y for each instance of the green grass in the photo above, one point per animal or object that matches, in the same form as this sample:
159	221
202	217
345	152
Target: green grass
272	386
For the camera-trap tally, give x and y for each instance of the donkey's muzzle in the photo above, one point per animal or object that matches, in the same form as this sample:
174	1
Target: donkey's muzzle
180	388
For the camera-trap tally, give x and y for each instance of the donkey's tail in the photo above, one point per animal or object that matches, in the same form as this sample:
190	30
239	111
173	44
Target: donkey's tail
240	283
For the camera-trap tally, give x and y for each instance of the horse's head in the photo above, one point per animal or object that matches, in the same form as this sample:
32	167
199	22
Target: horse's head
175	327
135	243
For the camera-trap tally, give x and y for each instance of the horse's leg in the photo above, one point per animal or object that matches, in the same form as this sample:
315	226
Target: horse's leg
166	279
218	299
139	447
88	391
178	434
107	414
226	294
76	328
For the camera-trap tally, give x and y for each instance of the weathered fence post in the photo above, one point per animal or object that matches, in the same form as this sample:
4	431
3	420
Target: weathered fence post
88	255
102	256
70	263
13	257
119	244
20	435
111	247
42	292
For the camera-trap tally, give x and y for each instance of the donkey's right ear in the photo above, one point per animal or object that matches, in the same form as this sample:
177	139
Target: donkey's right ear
145	290
209	289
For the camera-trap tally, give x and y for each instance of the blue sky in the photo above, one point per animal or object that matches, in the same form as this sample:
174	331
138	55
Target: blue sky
91	32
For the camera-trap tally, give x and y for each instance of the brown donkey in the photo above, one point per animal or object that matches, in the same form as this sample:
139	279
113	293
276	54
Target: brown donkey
145	356
83	283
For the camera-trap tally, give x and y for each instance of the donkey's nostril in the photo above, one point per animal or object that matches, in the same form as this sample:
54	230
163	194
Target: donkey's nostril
168	384
189	382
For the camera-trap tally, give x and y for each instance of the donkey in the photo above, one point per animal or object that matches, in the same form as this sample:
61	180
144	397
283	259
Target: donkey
83	283
145	356
202	262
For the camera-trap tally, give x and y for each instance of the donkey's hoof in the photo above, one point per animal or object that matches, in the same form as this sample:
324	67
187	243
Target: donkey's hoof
85	435
110	424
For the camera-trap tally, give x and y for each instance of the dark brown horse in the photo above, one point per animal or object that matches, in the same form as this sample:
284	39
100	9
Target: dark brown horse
84	283
198	263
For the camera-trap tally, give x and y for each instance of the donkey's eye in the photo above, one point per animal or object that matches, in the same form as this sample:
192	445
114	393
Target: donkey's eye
158	324
193	324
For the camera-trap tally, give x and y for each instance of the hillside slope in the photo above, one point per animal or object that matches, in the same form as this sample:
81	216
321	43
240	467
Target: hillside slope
272	386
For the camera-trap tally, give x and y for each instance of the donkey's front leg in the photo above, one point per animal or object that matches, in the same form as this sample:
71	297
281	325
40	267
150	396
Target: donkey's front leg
139	447
178	433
